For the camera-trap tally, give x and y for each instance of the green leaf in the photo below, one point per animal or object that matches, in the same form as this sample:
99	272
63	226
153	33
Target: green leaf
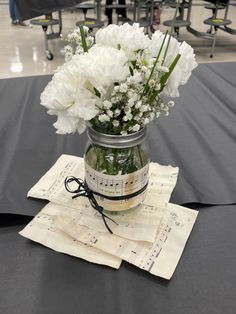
131	70
134	63
97	93
165	77
153	97
83	39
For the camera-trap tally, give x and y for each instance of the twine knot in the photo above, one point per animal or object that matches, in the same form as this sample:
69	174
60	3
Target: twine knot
83	190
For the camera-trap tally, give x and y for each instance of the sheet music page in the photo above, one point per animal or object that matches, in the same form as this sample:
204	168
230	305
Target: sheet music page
43	230
138	224
159	258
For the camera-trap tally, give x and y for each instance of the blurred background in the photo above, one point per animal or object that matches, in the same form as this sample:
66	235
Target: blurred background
24	50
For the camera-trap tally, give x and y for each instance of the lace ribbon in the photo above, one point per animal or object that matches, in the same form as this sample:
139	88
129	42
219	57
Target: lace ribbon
85	191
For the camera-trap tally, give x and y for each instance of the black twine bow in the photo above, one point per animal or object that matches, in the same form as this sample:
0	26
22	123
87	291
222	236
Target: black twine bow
84	190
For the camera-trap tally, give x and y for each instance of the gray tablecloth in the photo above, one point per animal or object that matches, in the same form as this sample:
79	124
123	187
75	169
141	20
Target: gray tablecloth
36	280
198	136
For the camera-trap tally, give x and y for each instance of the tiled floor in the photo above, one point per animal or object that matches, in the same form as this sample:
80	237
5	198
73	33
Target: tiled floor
22	50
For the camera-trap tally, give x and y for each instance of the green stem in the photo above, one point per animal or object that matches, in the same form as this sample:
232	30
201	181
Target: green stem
171	31
83	39
154	65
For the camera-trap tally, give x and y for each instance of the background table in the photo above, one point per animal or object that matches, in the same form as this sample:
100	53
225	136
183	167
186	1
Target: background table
32	8
198	136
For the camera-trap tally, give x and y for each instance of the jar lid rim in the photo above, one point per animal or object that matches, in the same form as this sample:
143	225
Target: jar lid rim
116	141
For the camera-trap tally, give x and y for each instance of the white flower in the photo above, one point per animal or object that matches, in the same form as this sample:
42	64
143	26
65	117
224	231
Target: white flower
146	121
184	67
129	38
137	117
144	108
182	71
152	115
128	116
171	103
138	105
135	79
123	88
103	118
68	48
65	97
103	66
68	53
117	112
115	123
144	69
107	104
71	90
79	50
109	113
152	83
155	45
131	102
136	127
66	124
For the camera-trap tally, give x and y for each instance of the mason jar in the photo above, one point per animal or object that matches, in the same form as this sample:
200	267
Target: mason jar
116	169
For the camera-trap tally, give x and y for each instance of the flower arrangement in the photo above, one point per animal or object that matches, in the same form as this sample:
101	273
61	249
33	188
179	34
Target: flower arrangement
116	81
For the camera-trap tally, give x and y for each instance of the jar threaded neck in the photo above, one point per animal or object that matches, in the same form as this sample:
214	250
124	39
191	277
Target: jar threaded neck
116	141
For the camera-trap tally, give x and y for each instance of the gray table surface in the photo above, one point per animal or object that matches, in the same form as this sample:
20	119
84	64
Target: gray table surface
198	136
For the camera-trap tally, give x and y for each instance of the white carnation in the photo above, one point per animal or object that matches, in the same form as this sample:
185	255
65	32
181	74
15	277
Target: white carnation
67	125
67	96
155	45
182	71
184	67
103	66
71	91
129	38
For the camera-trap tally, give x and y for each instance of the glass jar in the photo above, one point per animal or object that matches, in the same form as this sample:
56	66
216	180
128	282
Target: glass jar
116	169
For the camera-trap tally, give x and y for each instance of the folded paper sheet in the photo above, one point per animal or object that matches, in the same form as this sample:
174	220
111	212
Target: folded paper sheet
159	258
151	237
42	229
140	224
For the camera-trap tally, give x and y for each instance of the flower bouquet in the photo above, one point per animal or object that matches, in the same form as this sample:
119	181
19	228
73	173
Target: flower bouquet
114	84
